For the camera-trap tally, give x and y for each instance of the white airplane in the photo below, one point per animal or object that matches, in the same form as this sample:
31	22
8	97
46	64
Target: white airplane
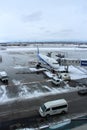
47	62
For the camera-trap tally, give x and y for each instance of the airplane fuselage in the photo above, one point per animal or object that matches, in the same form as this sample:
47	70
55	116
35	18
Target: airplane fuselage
48	62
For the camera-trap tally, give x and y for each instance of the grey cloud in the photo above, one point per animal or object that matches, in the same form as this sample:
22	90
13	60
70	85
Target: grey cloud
66	31
48	31
63	32
33	17
42	28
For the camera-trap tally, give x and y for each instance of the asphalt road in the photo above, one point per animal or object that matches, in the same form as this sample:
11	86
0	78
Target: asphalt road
29	109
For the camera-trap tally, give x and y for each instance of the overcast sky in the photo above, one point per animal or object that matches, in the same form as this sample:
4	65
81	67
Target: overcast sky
43	20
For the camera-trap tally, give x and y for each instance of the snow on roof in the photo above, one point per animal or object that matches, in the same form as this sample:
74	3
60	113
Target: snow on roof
48	74
56	78
48	59
55	103
36	70
61	68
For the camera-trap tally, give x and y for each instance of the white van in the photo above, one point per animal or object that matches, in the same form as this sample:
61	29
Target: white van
54	107
55	80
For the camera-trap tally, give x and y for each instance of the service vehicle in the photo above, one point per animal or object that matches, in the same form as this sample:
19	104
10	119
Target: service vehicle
65	76
54	107
3	76
55	80
82	92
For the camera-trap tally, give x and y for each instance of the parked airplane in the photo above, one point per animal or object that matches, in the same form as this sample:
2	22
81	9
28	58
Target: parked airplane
47	62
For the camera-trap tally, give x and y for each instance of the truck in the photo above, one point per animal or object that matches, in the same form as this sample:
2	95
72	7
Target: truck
65	76
55	80
3	76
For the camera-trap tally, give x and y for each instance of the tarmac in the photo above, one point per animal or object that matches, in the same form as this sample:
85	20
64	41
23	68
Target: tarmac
18	106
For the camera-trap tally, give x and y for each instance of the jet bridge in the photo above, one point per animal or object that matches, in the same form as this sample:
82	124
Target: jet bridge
67	61
75	62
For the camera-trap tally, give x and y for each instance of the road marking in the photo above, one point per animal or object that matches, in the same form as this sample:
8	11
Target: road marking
36	82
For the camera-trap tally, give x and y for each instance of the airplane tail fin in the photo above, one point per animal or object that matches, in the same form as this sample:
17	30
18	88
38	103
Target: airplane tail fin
37	50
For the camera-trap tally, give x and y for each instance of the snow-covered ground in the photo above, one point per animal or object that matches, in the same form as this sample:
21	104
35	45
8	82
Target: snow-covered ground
77	72
17	49
25	91
70	51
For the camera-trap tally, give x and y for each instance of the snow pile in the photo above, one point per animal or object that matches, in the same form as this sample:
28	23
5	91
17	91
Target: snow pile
16	82
23	91
3	95
77	73
26	93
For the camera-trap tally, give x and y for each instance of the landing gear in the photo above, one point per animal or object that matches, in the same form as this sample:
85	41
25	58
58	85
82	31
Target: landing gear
53	71
38	65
